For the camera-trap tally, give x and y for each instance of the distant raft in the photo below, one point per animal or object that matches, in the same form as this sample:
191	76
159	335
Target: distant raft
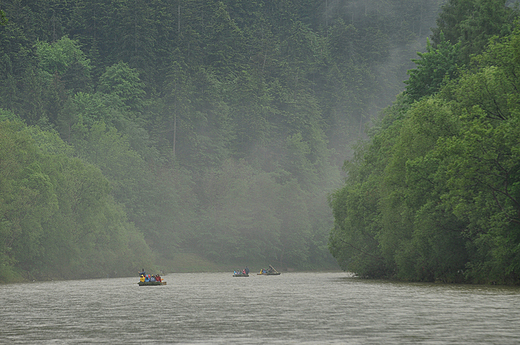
241	273
269	272
150	280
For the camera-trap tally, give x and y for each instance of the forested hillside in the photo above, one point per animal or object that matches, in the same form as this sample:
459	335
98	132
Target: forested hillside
434	194
133	131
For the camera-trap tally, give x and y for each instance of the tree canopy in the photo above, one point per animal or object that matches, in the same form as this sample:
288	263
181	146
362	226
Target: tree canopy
137	132
433	195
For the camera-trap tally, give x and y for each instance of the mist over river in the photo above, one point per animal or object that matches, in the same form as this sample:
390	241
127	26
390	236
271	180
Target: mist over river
293	308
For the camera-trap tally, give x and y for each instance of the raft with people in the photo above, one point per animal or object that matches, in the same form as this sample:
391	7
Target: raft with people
150	280
243	273
269	272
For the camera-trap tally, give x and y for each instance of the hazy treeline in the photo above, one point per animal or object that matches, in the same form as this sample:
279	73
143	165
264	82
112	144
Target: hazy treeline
435	193
137	129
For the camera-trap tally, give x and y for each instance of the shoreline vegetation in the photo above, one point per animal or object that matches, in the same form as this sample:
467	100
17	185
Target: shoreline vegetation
187	263
380	136
132	131
433	195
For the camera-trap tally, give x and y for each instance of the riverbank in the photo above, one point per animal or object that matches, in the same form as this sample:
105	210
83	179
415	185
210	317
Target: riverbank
181	263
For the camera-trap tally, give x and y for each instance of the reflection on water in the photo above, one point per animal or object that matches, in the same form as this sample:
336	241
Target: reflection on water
293	308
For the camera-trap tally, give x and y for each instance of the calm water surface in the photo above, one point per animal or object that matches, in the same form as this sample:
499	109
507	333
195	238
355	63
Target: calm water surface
293	308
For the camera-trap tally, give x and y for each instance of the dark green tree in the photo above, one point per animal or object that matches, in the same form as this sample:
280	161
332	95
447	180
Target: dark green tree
435	67
473	23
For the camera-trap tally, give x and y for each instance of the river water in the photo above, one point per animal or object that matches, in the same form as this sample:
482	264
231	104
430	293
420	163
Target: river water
293	308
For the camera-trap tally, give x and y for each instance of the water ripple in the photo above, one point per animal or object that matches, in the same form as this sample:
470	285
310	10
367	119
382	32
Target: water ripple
293	308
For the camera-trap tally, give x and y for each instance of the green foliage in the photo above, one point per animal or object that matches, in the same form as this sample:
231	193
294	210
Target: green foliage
3	18
60	56
435	193
8	115
353	239
57	217
472	23
436	66
122	81
214	127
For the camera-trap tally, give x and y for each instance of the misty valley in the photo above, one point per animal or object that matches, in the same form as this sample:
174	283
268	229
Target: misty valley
377	137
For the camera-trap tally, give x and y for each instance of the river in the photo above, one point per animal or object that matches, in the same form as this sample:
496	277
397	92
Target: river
293	308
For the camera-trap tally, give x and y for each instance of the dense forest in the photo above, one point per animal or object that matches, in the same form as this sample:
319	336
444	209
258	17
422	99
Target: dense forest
134	132
434	193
